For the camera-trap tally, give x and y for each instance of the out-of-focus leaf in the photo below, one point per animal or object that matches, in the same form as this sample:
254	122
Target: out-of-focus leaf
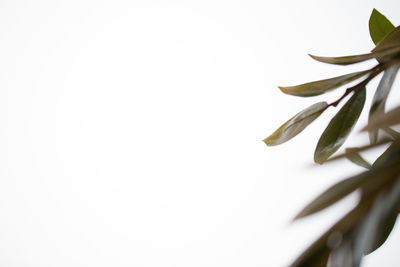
355	157
320	248
339	127
380	97
332	194
322	86
346	60
379	26
296	124
380	219
367	181
394	134
356	150
387	155
389	41
384	120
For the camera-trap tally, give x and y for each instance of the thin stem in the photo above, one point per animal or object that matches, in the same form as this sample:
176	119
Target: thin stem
374	72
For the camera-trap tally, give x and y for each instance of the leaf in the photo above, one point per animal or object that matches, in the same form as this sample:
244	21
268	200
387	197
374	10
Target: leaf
392	133
349	152
387	155
381	218
356	158
384	120
389	41
322	86
296	124
316	254
380	97
332	195
385	171
339	127
379	26
346	60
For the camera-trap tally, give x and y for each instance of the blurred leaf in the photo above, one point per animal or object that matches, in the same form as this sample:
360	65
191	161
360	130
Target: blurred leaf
367	181
350	152
379	26
296	124
381	218
394	134
384	120
339	127
322	86
355	157
333	194
380	97
387	155
346	60
316	253
389	41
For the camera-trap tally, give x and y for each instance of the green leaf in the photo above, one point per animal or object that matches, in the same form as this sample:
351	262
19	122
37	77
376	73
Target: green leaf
381	218
367	181
296	124
346	60
389	41
379	26
350	152
339	127
387	155
380	97
322	86
317	253
332	195
383	120
356	158
392	133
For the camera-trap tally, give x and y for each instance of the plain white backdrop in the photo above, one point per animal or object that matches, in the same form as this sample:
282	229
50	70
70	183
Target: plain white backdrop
130	131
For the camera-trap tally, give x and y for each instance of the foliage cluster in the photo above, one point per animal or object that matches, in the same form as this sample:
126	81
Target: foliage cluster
366	227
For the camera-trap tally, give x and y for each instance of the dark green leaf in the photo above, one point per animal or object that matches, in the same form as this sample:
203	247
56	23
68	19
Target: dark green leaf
346	60
380	97
394	134
386	170
332	194
379	26
322	86
381	218
349	152
339	127
389	41
387	155
356	158
296	124
384	120
318	252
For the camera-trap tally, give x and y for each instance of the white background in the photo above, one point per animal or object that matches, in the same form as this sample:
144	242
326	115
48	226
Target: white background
130	131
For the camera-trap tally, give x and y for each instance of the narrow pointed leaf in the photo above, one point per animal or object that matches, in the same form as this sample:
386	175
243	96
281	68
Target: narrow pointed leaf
296	124
339	127
381	218
367	180
384	120
392	133
331	195
322	86
389	41
318	252
346	60
379	26
349	152
380	97
387	155
356	158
